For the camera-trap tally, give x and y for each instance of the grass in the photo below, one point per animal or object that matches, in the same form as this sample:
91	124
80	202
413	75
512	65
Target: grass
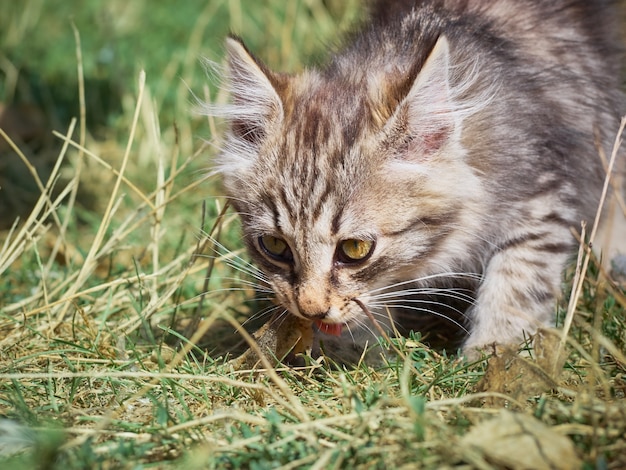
111	358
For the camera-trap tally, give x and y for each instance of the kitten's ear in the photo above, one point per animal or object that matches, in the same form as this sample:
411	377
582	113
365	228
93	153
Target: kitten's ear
428	112
253	87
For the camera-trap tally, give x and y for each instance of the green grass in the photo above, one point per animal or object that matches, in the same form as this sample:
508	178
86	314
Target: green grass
109	355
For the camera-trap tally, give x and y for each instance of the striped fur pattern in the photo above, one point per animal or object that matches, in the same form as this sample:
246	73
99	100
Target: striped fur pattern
457	140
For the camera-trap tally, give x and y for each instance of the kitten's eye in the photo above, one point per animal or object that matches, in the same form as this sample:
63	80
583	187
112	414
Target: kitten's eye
354	250
276	248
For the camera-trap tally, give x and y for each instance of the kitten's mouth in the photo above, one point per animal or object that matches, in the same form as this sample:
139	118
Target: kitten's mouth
333	329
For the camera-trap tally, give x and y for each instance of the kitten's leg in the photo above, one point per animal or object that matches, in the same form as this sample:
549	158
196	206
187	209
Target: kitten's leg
518	293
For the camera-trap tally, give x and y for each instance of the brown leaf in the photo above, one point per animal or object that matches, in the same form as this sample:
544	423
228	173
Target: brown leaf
281	338
522	377
518	441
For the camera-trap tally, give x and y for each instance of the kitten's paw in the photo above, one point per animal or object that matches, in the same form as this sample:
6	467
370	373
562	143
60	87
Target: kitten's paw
476	347
478	352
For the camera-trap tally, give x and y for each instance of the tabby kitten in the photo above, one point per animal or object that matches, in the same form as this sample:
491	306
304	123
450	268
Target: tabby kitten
449	145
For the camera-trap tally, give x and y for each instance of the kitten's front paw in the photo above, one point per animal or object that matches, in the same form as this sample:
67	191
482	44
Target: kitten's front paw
494	332
477	352
477	347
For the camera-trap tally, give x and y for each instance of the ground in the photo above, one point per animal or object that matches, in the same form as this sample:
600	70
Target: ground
116	309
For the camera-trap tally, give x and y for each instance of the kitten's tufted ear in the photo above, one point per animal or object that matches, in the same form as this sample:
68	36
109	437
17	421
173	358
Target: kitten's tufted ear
254	109
428	114
253	87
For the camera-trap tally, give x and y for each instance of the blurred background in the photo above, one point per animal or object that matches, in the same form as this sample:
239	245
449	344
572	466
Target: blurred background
39	63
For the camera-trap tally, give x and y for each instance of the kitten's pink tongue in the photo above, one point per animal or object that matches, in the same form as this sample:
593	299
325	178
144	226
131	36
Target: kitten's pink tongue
333	329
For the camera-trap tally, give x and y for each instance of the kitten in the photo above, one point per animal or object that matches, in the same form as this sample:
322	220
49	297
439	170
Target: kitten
437	163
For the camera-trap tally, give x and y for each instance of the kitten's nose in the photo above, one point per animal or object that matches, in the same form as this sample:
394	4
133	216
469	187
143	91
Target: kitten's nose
312	306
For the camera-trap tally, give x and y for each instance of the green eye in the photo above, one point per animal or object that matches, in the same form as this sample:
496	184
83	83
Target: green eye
276	248
354	250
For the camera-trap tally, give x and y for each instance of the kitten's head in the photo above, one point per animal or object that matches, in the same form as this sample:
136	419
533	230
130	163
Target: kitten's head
345	180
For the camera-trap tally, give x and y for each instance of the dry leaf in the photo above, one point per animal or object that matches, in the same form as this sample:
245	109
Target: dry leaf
518	441
281	338
522	377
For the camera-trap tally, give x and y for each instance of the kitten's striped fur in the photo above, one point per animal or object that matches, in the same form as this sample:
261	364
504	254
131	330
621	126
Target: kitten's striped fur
459	139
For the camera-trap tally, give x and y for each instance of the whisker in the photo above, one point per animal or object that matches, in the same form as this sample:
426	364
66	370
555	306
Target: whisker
420	302
237	262
375	313
369	314
213	292
282	317
361	324
358	324
241	265
249	283
404	296
435	313
256	276
471	276
264	312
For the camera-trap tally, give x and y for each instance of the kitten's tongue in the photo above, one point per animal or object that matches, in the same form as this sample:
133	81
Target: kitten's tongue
333	329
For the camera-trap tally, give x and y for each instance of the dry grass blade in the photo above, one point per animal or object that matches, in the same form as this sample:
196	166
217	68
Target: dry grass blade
581	266
90	260
43	208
